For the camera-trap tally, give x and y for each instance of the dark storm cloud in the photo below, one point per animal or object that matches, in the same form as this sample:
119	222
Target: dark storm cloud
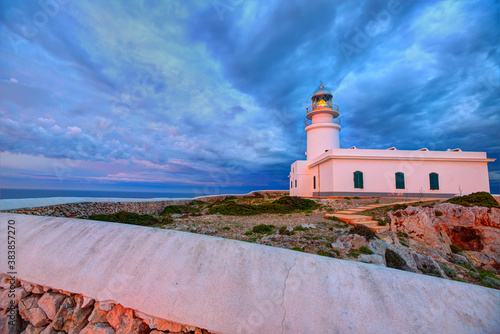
183	89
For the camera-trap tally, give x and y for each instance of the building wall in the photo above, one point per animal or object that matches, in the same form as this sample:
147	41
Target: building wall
301	173
463	172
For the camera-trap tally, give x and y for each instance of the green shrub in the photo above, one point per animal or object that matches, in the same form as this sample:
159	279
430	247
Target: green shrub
335	219
263	228
401	234
402	242
438	213
248	233
298	249
356	197
325	253
363	231
299	228
174	209
347	198
336	251
286	204
124	217
382	222
397	207
284	230
450	272
365	250
481	198
354	253
491	282
455	249
226	228
317	237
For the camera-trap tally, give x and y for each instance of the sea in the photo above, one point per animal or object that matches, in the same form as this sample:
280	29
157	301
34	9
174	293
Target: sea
10	193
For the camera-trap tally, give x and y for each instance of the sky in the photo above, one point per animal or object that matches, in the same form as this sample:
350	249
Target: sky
209	97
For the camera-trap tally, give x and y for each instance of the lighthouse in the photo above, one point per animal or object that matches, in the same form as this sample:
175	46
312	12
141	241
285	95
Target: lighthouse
333	171
324	128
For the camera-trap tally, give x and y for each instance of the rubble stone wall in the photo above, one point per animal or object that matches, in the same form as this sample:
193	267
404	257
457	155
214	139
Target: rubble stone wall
30	308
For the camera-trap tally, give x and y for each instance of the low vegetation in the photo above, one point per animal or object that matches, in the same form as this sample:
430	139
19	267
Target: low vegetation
363	231
475	199
124	217
285	204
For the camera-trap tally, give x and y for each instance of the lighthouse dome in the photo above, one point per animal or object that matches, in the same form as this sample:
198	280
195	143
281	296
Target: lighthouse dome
322	90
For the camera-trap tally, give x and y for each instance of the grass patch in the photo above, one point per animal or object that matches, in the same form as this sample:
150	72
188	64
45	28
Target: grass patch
299	228
325	253
248	233
382	222
283	230
438	213
298	249
335	219
450	272
131	218
481	198
285	204
263	229
357	197
365	250
354	253
402	234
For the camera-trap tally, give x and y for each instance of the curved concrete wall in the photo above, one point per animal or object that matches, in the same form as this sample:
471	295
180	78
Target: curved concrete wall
236	287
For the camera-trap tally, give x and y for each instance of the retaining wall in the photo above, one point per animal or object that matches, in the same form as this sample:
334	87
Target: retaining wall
230	286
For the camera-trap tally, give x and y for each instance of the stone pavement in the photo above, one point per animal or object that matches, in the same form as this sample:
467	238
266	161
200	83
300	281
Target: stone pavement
352	217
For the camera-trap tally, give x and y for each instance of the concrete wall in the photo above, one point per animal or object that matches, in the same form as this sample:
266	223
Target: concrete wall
301	173
236	287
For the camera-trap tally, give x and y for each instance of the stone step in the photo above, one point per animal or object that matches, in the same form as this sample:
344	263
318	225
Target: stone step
372	225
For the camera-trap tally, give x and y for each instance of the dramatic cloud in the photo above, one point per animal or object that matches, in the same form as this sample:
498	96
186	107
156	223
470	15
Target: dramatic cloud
210	97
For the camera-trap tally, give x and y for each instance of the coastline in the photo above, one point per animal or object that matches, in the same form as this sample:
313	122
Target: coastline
28	203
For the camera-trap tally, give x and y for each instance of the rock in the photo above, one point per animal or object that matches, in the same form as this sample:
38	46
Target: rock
28	287
6	282
475	229
459	259
33	330
400	257
209	230
428	266
50	303
338	245
372	258
98	315
353	240
71	318
50	330
123	321
154	331
176	215
388	239
308	225
87	301
99	328
11	321
5	300
29	311
37	289
378	247
106	305
164	325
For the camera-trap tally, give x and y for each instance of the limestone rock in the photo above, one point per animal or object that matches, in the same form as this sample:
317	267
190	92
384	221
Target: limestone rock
98	315
99	328
165	325
63	316
123	321
353	240
19	294
308	225
6	282
428	266
50	303
33	330
87	301
339	245
373	258
400	257
378	247
7	316
475	229
29	311
106	305
71	318
50	330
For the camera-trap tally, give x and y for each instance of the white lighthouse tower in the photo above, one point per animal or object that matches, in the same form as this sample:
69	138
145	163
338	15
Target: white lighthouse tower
323	131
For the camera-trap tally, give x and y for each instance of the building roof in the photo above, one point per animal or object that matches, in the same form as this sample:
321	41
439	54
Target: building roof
322	90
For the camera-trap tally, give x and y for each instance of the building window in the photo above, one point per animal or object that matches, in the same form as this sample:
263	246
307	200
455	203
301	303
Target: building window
291	184
400	180
295	183
434	181
358	179
314	182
